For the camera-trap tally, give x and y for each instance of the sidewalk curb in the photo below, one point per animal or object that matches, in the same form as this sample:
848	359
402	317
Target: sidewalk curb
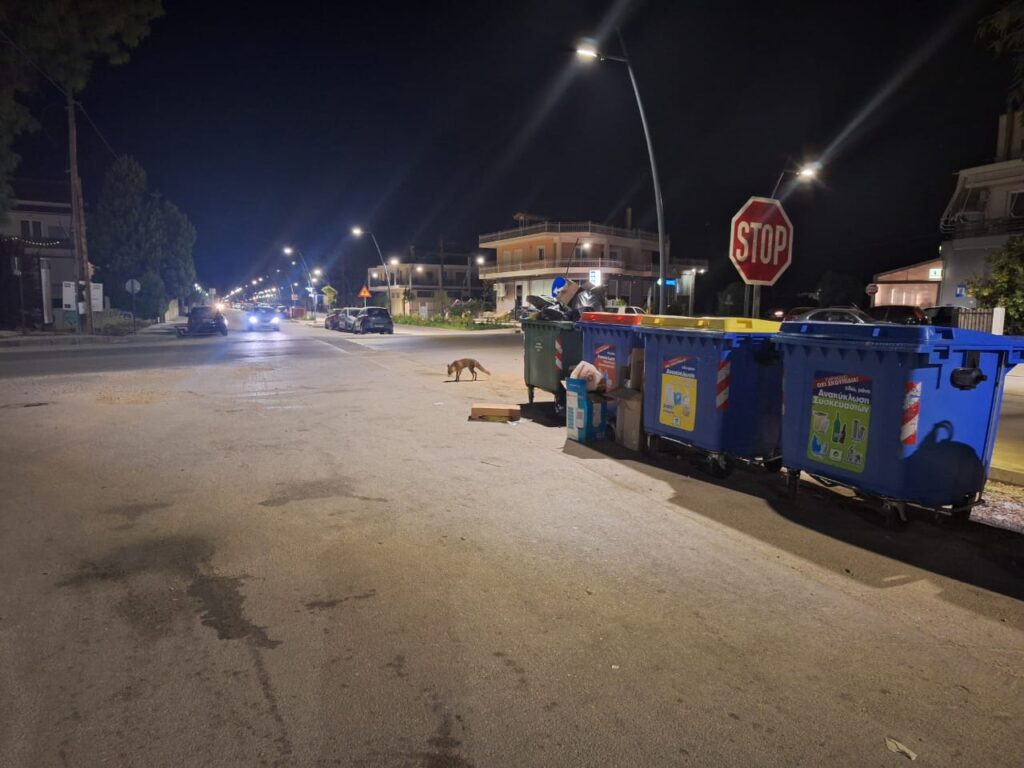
1009	476
75	341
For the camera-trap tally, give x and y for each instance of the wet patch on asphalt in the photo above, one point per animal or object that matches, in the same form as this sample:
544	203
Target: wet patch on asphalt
316	489
132	512
323	605
221	599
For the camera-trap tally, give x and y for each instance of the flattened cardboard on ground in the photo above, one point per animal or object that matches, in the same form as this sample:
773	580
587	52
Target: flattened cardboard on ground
494	412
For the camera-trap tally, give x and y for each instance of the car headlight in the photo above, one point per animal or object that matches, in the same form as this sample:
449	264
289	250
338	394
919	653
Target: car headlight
253	320
275	320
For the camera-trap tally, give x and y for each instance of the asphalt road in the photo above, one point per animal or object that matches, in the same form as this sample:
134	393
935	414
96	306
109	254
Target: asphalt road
294	549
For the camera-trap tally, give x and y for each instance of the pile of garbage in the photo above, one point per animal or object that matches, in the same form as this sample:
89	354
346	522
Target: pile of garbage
571	301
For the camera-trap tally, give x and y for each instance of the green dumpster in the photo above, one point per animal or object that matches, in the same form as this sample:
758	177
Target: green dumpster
551	349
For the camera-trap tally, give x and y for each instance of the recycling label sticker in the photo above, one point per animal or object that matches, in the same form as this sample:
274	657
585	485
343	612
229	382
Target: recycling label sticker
604	361
840	419
678	393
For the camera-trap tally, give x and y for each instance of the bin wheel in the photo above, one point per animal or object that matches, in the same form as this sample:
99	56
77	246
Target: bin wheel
792	483
894	514
719	465
773	465
650	444
530	394
560	402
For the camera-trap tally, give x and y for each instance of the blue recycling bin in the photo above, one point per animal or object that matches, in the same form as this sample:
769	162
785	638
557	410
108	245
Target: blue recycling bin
906	413
607	341
714	384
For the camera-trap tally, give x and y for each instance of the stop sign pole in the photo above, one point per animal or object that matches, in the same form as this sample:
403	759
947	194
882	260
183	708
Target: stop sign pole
761	244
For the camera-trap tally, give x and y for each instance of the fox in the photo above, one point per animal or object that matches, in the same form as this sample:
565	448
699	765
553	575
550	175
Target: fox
466	362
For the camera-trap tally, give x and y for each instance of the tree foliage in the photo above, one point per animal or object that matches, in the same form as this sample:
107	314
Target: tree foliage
136	234
64	39
838	289
1003	33
1004	284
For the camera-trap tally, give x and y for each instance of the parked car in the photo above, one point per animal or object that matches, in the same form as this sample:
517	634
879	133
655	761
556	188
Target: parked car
333	320
625	310
347	320
836	315
373	320
942	316
263	319
282	310
904	314
206	320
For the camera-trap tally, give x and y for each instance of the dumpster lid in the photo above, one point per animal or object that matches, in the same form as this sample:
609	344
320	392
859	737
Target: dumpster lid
726	324
611	318
917	336
564	325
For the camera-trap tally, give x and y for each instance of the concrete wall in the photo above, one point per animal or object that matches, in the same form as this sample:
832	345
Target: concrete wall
963	259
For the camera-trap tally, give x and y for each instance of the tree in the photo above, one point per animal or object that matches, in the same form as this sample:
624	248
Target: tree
1004	284
838	288
64	39
136	234
1003	32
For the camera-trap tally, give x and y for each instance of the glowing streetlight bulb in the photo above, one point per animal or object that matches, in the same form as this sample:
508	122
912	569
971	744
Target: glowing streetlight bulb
317	271
479	259
357	231
288	250
809	171
394	261
587	52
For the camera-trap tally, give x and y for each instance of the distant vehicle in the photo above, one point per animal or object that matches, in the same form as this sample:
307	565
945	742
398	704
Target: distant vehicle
203	320
836	315
347	319
282	310
373	320
625	310
942	316
263	319
333	320
904	314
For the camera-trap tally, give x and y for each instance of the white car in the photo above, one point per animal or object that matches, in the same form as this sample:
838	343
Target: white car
625	310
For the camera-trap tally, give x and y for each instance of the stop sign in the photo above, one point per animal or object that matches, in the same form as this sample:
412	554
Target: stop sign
761	241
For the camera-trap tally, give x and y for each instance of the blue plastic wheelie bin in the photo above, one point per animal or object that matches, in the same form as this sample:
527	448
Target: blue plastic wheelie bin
608	339
714	384
905	414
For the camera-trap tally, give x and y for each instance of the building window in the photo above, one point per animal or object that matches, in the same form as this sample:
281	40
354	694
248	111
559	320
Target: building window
519	255
37	230
540	253
26	232
1017	205
508	256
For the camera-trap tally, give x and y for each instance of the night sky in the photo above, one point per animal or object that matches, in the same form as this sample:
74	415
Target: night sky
290	124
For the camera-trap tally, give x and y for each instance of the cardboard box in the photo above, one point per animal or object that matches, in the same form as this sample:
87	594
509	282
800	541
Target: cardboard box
629	423
636	369
586	413
494	412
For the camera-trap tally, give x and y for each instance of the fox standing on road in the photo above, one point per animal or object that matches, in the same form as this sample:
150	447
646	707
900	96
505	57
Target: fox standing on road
466	362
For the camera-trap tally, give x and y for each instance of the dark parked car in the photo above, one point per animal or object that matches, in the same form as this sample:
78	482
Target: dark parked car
263	319
333	320
904	314
836	315
206	320
373	320
943	316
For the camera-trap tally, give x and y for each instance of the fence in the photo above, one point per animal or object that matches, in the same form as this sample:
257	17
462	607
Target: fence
988	320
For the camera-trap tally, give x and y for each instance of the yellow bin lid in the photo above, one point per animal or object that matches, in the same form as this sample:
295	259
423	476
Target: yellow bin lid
726	324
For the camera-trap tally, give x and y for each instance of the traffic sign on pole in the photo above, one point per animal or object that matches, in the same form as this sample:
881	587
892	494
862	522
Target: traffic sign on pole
872	289
364	293
761	241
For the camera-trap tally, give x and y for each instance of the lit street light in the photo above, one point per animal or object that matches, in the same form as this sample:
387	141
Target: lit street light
587	51
807	172
290	251
359	232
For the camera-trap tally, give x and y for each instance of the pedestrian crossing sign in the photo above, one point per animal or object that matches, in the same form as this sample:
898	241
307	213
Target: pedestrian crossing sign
365	293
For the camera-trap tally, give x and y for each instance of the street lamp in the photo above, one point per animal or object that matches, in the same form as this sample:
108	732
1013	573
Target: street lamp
806	173
289	251
588	51
359	232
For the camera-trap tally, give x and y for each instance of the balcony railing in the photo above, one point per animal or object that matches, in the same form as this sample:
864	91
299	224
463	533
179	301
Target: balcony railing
549	266
568	227
962	226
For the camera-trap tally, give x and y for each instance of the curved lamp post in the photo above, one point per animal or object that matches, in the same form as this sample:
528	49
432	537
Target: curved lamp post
589	52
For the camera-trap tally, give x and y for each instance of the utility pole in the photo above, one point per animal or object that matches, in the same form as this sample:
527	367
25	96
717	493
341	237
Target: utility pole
85	320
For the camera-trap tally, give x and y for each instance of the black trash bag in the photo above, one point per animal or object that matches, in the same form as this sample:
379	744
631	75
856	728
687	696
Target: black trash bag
553	312
589	300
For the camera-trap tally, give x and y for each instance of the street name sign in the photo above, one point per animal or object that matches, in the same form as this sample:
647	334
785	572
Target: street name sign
761	241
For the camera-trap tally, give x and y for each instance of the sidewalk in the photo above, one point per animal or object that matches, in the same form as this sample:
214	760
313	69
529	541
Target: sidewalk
10	339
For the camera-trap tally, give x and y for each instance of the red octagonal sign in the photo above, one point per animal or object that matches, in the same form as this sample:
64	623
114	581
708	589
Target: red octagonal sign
761	241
